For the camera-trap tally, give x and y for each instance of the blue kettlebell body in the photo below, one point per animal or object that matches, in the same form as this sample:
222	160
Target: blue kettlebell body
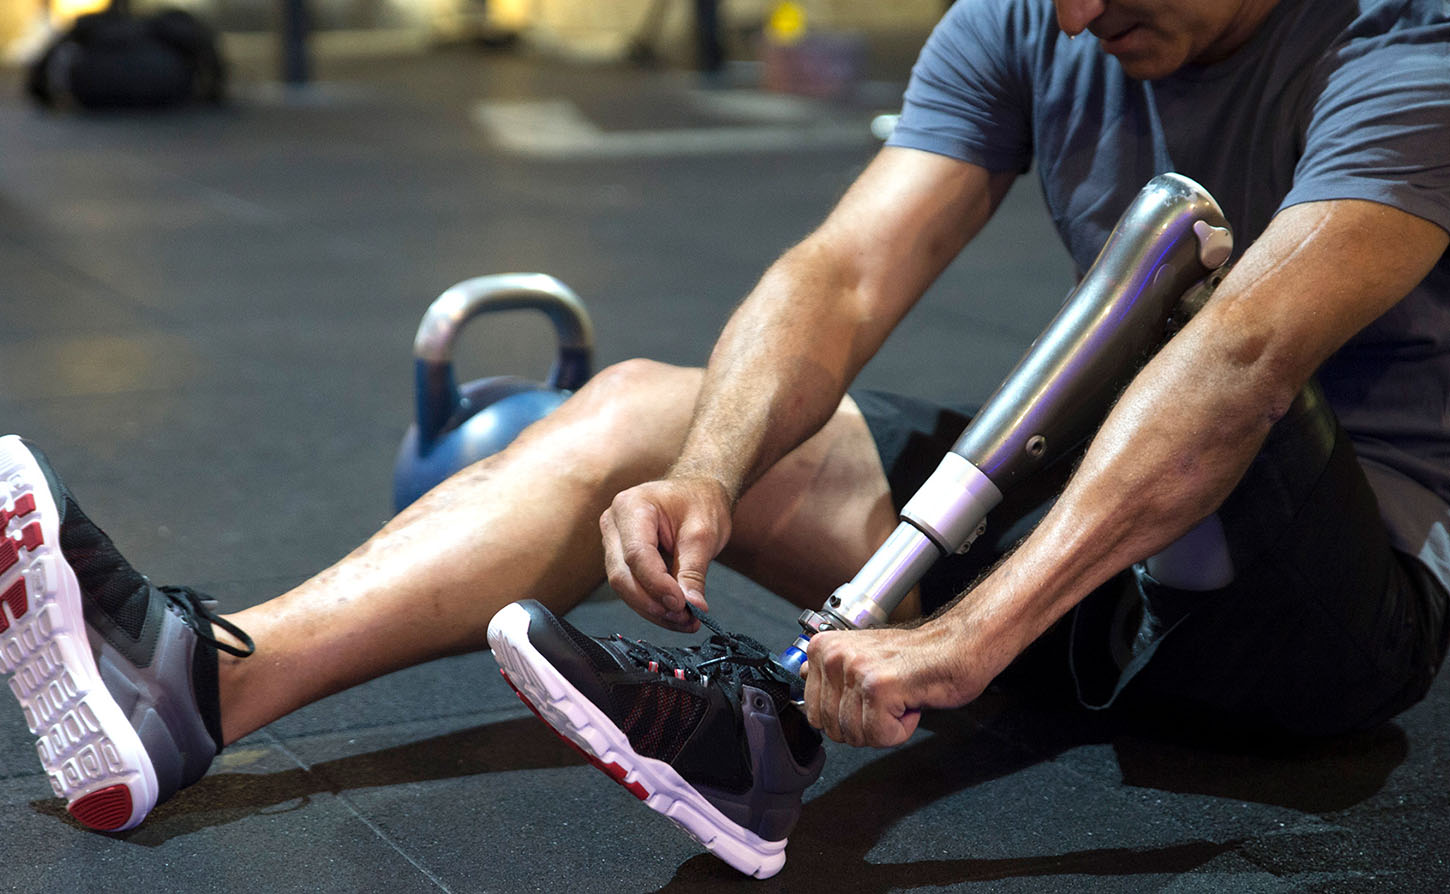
459	425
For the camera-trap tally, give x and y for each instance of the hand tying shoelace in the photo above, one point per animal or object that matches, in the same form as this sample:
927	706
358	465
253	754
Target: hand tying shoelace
730	657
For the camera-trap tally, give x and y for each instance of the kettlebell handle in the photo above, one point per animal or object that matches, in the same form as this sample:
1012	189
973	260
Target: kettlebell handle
511	291
437	391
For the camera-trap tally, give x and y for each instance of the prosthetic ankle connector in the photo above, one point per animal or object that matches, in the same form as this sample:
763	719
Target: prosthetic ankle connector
1161	260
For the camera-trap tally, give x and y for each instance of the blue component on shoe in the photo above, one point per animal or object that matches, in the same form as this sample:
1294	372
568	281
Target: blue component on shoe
795	655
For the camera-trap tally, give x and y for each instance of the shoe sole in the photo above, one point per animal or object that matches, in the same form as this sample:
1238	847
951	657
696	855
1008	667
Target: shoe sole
576	720
93	756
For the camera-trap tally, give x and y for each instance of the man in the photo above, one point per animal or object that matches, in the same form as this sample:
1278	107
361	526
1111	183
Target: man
762	460
1297	607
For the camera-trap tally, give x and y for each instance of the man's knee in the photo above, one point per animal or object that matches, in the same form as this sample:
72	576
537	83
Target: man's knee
633	375
635	397
627	422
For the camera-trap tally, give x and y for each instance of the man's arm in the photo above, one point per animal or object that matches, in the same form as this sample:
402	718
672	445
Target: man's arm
1169	453
784	361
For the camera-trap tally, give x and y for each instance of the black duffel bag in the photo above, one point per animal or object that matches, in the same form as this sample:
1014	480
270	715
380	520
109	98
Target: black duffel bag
111	60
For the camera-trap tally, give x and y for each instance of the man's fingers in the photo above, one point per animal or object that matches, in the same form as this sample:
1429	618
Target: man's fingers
648	568
695	546
851	697
854	718
812	696
659	539
905	725
885	719
681	622
697	599
634	578
824	687
644	534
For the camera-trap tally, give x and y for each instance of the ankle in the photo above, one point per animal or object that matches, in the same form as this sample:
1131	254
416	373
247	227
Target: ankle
234	647
231	689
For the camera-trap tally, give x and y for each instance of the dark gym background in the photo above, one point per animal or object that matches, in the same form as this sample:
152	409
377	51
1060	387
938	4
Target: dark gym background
206	318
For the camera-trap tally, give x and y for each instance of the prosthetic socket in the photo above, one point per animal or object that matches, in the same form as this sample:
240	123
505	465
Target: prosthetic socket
1157	266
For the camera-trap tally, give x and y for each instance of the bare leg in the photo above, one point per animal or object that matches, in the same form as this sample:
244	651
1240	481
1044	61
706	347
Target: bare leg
522	524
525	524
815	518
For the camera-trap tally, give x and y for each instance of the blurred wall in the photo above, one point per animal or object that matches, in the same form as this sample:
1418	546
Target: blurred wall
586	28
20	24
605	27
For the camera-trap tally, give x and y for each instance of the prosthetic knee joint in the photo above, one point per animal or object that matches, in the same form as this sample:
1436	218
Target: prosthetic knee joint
1158	266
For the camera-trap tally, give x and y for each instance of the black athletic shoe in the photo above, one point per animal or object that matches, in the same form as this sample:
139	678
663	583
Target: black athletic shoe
117	677
705	735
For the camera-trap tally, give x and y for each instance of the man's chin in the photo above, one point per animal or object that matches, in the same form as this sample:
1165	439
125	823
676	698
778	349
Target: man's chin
1144	54
1147	67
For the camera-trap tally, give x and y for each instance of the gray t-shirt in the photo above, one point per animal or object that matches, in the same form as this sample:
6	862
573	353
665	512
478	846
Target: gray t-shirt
1331	99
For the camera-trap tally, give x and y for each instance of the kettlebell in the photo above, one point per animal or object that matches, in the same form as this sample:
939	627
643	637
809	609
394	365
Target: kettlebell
457	425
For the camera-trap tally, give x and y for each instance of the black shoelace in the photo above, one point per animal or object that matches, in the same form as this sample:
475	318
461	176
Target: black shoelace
194	608
731	658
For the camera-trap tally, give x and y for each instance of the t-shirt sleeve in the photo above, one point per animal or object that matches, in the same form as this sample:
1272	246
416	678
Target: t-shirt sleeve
1379	127
967	98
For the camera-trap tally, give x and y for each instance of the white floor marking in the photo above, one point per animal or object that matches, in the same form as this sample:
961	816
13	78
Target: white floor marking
556	129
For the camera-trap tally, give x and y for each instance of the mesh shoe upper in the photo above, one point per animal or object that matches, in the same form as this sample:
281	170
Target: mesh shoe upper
698	708
730	661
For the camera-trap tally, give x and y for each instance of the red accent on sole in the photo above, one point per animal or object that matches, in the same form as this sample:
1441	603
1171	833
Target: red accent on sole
105	810
31	536
613	771
8	553
15	598
23	506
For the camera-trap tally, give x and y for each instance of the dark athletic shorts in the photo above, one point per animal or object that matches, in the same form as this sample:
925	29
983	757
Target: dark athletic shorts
1324	629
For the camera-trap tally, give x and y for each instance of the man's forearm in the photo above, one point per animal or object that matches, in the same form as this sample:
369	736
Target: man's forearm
1182	434
1162	461
784	360
787	355
1188	426
1169	453
779	369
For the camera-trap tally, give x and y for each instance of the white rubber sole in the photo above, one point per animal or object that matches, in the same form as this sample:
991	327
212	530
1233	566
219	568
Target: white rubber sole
654	782
93	756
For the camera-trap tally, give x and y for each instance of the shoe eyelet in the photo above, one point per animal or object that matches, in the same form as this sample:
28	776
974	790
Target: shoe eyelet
758	702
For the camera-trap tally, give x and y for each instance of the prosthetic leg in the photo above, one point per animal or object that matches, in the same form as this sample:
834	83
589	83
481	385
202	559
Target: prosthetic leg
1158	266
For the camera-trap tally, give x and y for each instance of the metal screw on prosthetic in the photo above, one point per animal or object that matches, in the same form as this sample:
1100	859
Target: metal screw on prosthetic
1156	267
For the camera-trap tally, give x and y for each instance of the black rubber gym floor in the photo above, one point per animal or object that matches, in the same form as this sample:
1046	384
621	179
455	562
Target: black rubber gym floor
206	320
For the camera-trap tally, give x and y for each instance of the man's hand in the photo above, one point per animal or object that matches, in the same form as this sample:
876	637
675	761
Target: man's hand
783	361
659	538
867	687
